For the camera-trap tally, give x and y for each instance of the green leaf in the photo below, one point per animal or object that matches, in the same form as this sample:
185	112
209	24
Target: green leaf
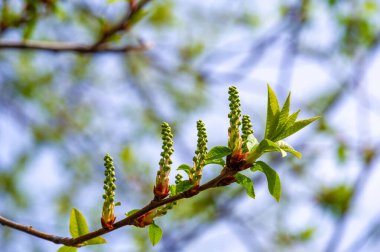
67	249
288	124
296	127
292	118
78	224
284	114
184	167
288	148
183	186
79	227
218	152
267	145
155	233
246	183
274	183
118	203
218	161
96	240
173	190
251	142
272	113
131	212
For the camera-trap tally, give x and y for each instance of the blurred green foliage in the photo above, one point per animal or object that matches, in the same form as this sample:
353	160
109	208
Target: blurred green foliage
336	199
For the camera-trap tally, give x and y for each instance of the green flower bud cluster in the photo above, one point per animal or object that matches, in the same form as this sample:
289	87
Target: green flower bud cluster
234	115
200	153
164	209
246	130
109	182
178	179
167	147
161	189
108	216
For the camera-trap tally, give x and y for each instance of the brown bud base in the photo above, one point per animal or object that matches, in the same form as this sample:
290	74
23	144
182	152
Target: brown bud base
237	162
108	224
160	192
144	220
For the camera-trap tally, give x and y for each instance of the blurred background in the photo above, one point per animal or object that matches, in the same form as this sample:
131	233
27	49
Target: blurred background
62	109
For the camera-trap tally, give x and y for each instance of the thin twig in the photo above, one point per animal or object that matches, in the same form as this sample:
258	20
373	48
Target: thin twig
99	46
69	47
124	23
217	181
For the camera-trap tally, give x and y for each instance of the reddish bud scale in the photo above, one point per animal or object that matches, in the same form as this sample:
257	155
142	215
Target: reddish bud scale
108	224
161	190
238	162
144	220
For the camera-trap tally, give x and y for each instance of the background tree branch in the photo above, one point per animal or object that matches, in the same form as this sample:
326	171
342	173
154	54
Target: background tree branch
70	47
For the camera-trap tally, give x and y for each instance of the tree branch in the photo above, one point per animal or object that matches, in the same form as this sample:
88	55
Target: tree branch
69	47
124	23
216	182
99	46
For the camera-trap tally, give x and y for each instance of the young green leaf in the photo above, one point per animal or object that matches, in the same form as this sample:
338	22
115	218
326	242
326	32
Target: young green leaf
185	167
96	240
183	186
283	117
293	117
131	212
288	124
267	145
288	148
78	225
173	190
274	183
251	142
284	114
272	113
155	233
246	183
218	161
218	152
296	127
67	249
